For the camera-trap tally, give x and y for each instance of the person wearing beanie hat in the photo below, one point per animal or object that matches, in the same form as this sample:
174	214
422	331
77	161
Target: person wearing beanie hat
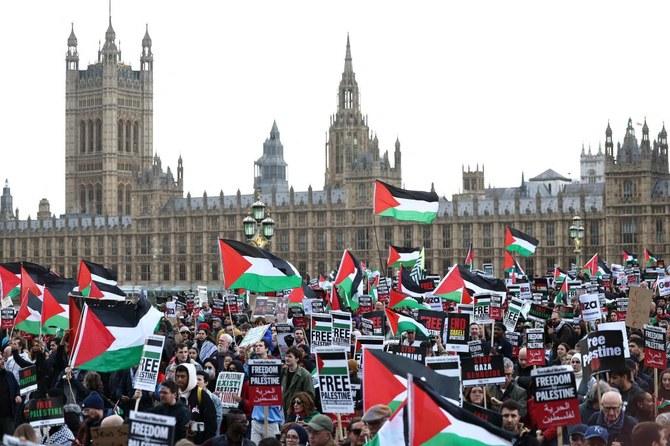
296	435
92	408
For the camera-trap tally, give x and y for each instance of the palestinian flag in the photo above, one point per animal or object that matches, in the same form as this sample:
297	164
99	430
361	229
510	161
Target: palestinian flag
596	267
447	424
254	269
517	241
394	431
97	282
332	363
398	300
322	322
562	295
560	275
603	269
403	256
341	319
349	278
408	285
297	295
10	278
452	287
400	324
55	305
391	370
628	257
649	259
111	333
470	257
511	267
334	300
368	341
29	316
407	205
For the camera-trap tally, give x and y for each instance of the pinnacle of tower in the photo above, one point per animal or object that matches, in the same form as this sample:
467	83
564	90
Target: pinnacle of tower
397	143
72	40
6	182
583	151
600	149
630	124
645	128
608	131
663	132
348	67
110	35
589	149
274	133
146	40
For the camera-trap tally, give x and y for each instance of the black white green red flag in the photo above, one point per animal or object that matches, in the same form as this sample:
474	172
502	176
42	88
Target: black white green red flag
649	259
349	278
628	257
399	255
254	269
406	205
29	316
400	324
97	282
55	304
517	241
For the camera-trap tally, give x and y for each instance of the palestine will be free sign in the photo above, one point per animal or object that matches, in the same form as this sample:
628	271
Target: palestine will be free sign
334	384
264	382
147	372
554	397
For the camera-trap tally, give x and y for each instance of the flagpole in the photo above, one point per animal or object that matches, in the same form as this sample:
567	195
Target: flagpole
379	253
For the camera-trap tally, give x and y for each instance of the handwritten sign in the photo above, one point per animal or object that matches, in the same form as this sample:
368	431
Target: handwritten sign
229	388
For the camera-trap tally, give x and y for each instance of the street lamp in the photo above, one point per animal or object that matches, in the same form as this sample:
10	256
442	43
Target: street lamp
258	227
576	232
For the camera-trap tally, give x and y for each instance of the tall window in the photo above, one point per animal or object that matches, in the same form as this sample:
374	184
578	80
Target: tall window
660	235
302	241
387	235
550	233
628	231
339	239
594	233
407	236
119	136
98	135
166	272
427	236
145	272
136	136
466	235
362	238
214	271
320	240
487	235
82	136
282	244
182	272
198	271
628	189
446	236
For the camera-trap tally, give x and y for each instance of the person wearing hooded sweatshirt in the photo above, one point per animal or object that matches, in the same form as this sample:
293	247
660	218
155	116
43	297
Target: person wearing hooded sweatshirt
200	405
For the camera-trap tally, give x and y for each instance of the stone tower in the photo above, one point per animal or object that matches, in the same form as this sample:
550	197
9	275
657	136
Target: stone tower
592	166
473	180
6	203
270	169
109	127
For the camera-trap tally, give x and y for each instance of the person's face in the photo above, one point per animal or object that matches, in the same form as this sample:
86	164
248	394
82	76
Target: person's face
210	370
298	405
477	396
510	420
665	380
561	351
555	319
166	396
182	354
216	325
664	438
595	442
200	381
299	335
614	317
292	438
577	440
523	357
576	364
611	408
232	368
193	353
53	346
578	332
355	437
647	403
92	414
181	378
291	361
318	438
223	343
509	376
202	334
259	349
474	331
616	380
498	332
634	349
16	343
238	424
231	330
411	336
379	306
226	361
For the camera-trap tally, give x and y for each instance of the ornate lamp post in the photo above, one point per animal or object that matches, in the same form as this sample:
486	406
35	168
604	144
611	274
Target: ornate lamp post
576	232
258	227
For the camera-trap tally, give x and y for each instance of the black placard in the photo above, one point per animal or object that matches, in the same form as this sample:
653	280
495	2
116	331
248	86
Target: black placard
605	351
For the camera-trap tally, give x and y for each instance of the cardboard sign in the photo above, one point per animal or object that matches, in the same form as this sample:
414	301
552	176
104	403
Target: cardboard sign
7	318
283	332
110	436
433	321
590	306
457	333
512	314
476	348
231	304
482	370
364	304
334	383
539	313
297	316
408	351
45	412
639	300
480	312
265	382
378	319
171	309
149	429
341	329
535	346
147	372
605	351
322	331
254	335
555	400
28	379
229	387
654	347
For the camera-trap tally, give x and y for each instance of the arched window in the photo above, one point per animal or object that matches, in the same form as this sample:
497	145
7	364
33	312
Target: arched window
98	135
628	189
82	199
136	136
90	202
119	200
91	135
119	136
128	130
98	199
82	136
127	199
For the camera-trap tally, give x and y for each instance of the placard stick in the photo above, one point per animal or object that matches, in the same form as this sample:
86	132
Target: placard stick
266	426
655	392
559	432
137	404
492	328
484	387
340	432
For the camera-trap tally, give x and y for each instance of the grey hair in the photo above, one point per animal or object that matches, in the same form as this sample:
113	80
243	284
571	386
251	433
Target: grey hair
663	419
507	363
592	394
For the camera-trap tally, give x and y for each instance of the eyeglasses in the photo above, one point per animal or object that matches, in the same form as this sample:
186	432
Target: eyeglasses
611	408
356	431
297	402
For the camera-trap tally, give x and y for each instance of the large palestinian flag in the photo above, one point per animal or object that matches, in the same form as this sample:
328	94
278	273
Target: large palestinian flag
254	269
452	285
402	204
596	267
97	282
398	300
381	367
55	305
403	256
400	324
517	241
628	257
10	278
562	295
110	334
349	278
649	259
433	421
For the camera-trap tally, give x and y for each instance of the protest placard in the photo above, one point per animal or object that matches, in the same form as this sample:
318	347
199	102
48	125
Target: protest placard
412	352
514	339
28	379
605	351
321	331
378	319
495	308
639	300
297	315
254	335
231	304
539	313
364	304
149	429
284	331
110	435
663	286
264	382
655	356
512	314
433	321
535	346
482	370
457	333
218	309
476	348
590	307
171	309
434	302
147	371
372	342
201	295
554	400
7	318
341	329
334	383
45	412
229	388
480	311
617	326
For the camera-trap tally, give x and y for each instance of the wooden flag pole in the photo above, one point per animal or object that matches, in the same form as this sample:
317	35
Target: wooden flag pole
137	403
340	432
559	432
379	253
655	392
484	388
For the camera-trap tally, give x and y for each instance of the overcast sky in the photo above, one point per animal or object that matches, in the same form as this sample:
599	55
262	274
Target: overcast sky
516	86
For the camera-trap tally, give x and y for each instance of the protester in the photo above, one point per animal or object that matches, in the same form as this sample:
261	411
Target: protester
234	435
649	433
295	378
374	418
93	410
170	405
511	422
576	434
202	381
509	390
296	435
320	431
199	403
613	419
622	381
26	432
641	407
265	420
9	399
597	436
302	408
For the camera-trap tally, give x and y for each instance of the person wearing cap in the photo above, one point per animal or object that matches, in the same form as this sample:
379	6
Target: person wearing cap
320	431
612	417
576	434
596	436
93	409
374	418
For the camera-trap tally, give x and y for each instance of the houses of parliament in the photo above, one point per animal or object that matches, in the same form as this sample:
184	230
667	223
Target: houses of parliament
128	211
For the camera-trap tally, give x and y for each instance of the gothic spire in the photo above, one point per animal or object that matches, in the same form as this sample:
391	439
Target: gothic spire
348	67
72	40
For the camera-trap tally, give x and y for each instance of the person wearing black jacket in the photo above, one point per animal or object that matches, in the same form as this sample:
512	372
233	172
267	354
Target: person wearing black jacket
200	405
501	346
171	406
9	398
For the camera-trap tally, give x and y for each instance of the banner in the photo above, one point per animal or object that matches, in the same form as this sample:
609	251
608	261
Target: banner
322	331
341	329
45	412
7	317
591	307
539	313
555	400
457	333
147	372
28	379
378	319
229	388
512	314
265	382
480	312
218	308
334	384
654	347
605	351
449	365
663	286
364	304
408	351
149	429
433	321
434	302
482	370
535	346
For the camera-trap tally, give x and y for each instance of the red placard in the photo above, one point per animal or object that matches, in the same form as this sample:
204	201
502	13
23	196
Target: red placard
535	346
7	318
554	400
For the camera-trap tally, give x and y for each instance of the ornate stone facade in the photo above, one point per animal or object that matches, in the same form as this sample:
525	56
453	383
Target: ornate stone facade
142	225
